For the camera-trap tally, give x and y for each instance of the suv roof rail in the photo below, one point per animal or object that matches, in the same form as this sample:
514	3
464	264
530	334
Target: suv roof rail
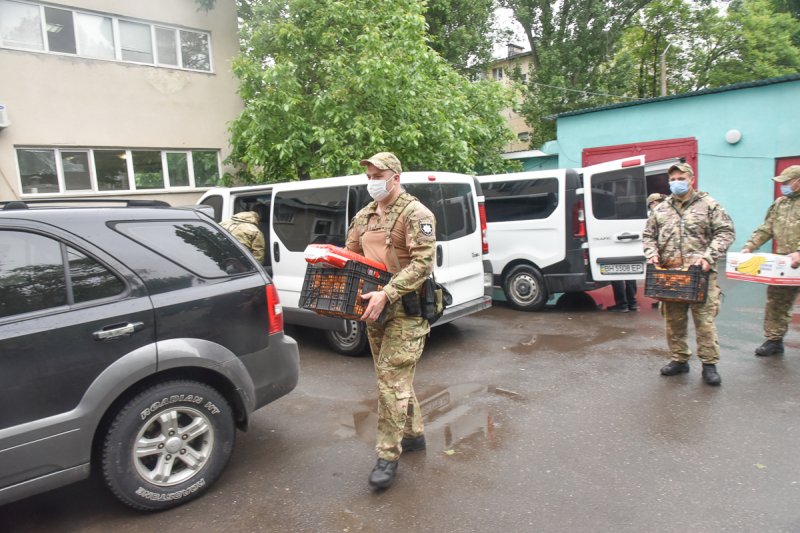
14	204
24	204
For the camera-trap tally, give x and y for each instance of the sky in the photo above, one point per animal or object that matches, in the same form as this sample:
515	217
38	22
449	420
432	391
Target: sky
506	19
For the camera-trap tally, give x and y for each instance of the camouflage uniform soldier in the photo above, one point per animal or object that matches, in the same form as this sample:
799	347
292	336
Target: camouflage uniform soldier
654	199
399	231
689	228
244	226
782	225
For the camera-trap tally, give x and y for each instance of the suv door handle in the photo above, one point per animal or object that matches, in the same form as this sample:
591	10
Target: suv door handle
117	330
276	252
439	258
629	237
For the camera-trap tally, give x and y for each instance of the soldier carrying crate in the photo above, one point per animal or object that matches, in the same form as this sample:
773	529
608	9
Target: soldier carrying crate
397	230
689	228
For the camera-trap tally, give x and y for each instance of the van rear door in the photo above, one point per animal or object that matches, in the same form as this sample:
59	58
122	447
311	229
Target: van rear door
616	212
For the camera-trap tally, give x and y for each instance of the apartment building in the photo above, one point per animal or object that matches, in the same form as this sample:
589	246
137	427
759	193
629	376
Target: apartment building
115	98
502	71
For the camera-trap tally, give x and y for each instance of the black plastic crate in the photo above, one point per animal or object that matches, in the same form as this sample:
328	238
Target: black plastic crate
687	286
337	292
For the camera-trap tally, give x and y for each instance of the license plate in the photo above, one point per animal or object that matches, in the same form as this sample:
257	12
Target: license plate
623	268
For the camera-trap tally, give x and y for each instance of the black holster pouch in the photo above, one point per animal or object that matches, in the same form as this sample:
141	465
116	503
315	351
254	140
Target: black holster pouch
428	304
411	304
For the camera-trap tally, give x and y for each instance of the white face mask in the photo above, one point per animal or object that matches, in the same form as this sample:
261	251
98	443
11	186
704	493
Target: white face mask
377	189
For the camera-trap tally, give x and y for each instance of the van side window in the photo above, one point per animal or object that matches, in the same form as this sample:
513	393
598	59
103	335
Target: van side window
520	199
459	213
619	194
312	216
430	194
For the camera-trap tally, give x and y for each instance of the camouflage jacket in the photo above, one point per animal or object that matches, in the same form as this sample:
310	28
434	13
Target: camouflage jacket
782	224
413	238
681	232
244	226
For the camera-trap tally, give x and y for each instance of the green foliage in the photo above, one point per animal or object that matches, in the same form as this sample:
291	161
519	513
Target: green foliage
328	82
572	43
707	47
463	32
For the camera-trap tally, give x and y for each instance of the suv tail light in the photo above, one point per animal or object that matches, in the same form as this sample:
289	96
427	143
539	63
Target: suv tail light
274	310
578	220
484	240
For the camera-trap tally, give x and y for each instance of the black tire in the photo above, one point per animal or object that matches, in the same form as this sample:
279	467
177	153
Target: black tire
353	343
171	425
525	289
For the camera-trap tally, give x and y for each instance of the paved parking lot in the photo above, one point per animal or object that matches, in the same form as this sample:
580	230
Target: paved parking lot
551	421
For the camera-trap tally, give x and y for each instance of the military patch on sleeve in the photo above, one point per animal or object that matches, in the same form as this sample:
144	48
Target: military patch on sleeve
426	228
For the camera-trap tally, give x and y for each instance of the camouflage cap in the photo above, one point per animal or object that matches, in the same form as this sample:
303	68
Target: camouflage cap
788	174
655	197
384	161
683	167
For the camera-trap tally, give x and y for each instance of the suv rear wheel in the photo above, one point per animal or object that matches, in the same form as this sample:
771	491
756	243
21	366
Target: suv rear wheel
168	445
352	342
525	289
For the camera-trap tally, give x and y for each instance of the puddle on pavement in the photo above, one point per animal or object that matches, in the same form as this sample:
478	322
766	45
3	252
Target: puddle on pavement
454	416
538	342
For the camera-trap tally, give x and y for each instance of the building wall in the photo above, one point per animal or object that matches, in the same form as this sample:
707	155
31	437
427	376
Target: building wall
737	175
67	101
515	121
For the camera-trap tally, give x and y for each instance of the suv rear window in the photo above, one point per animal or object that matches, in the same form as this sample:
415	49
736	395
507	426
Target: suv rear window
33	277
195	246
520	199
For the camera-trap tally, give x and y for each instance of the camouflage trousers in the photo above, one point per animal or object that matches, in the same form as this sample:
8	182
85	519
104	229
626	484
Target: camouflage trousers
778	314
396	347
676	316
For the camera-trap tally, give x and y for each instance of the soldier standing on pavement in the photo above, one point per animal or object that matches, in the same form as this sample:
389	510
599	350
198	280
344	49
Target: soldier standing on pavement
397	230
689	228
782	225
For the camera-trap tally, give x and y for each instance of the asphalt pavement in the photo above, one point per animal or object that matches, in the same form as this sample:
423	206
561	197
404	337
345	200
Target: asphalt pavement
556	421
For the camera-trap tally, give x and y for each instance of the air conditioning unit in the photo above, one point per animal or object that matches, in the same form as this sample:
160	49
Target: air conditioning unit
4	121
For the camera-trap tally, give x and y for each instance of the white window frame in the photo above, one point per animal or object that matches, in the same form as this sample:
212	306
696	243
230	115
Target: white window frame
116	37
90	151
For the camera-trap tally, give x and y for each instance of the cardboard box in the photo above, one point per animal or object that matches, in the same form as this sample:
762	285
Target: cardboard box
770	269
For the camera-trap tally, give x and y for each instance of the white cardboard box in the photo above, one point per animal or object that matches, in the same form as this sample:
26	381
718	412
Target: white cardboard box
770	269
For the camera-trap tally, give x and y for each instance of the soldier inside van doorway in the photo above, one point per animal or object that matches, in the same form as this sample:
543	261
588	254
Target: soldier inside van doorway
397	230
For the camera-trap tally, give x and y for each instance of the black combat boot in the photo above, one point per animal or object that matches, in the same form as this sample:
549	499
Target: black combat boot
674	368
412	444
770	348
383	474
710	375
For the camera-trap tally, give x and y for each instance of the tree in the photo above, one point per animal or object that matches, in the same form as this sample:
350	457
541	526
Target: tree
327	81
572	42
708	47
463	31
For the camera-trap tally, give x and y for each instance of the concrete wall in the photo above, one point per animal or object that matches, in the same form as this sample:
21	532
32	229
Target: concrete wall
66	101
737	175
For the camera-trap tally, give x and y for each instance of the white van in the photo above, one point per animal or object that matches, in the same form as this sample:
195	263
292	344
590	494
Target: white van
319	211
568	230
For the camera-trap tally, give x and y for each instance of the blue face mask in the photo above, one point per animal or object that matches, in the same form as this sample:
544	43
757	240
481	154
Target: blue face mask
786	190
679	188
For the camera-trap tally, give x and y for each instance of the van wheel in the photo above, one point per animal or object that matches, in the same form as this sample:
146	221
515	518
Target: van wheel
353	342
525	289
167	445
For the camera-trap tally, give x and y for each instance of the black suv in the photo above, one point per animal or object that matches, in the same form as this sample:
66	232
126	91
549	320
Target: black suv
133	340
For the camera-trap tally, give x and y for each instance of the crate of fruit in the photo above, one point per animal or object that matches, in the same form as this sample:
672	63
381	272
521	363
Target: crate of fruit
688	285
335	280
